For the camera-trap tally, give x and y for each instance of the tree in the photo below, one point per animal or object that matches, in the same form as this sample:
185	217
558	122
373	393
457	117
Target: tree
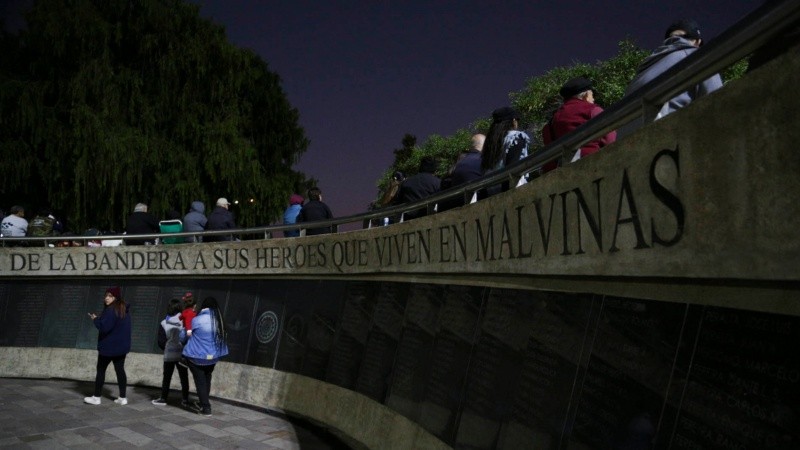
110	103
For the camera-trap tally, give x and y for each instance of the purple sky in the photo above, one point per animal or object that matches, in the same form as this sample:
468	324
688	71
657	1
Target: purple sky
364	73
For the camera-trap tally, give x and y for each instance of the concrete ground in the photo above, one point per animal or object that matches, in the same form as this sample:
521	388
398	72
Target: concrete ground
50	414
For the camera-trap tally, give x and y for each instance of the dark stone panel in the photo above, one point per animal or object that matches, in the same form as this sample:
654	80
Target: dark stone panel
743	390
67	316
555	327
494	371
24	314
623	393
146	310
413	358
411	366
384	335
455	337
312	310
351	335
241	322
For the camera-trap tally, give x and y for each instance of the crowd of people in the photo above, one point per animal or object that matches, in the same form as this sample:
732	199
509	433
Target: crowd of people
504	144
192	336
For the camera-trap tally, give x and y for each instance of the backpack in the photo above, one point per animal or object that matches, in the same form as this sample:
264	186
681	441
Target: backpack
41	226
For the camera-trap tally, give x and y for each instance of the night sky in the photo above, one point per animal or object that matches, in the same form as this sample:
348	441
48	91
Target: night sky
364	73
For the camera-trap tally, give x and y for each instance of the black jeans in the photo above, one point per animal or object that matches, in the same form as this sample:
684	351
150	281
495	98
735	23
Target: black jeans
202	381
119	368
183	374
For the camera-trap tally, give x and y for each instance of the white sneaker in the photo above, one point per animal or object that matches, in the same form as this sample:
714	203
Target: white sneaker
91	400
122	401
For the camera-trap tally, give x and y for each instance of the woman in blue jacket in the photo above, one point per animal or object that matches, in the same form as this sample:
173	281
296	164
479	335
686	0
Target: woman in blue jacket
206	344
113	344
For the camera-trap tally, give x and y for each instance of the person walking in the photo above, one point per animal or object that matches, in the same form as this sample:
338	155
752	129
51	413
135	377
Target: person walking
169	339
205	345
113	344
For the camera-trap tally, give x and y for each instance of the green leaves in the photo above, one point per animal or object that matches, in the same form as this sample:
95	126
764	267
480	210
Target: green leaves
112	102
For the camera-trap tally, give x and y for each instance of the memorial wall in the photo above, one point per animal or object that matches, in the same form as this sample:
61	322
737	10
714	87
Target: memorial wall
478	367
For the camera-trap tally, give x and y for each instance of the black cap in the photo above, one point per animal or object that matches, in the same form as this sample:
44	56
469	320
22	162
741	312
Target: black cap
503	114
574	87
690	27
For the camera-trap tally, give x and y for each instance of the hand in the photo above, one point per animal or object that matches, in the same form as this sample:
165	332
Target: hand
92	316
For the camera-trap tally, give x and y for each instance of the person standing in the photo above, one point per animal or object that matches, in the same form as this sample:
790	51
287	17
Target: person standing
220	219
195	220
113	344
315	210
205	345
169	339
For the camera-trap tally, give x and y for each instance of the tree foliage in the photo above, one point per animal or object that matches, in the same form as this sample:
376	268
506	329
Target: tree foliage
107	103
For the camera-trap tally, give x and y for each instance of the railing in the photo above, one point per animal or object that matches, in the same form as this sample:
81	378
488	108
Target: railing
739	41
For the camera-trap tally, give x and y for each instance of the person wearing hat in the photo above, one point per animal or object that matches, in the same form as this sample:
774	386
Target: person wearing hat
577	109
681	39
290	215
220	219
113	344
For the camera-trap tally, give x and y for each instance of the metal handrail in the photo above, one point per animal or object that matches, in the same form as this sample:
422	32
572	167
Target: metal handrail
736	43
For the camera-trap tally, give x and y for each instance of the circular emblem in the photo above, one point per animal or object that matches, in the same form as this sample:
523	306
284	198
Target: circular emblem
267	327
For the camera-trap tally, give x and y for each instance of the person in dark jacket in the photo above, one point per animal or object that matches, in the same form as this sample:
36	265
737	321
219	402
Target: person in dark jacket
141	222
113	344
195	220
419	186
467	168
315	210
220	219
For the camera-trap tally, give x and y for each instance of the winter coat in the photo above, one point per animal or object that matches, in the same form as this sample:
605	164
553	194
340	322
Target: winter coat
201	347
114	338
195	220
141	222
673	50
290	217
220	219
571	115
173	348
315	210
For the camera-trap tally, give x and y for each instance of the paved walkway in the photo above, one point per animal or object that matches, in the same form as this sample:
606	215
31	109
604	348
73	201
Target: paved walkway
50	414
